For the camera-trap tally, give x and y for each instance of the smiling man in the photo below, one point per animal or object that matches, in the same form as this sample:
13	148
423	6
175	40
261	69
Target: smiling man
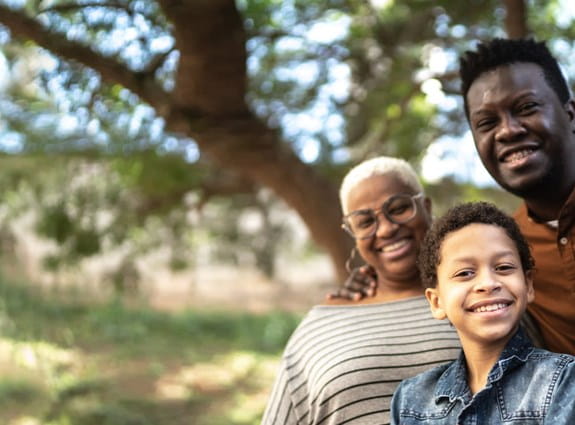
522	118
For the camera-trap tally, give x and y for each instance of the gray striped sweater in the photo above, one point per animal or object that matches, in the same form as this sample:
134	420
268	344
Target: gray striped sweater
343	363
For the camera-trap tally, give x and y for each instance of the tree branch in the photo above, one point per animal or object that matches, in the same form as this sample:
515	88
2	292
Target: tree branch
68	7
111	70
516	19
156	62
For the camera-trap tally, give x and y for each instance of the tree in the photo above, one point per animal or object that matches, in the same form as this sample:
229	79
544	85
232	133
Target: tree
187	60
208	100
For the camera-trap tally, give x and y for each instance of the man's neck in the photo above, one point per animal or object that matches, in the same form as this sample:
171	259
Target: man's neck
548	206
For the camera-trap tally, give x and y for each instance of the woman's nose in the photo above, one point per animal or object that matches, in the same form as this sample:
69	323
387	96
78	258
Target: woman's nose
385	228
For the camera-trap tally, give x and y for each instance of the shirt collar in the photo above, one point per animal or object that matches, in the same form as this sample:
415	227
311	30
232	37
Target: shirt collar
565	215
453	382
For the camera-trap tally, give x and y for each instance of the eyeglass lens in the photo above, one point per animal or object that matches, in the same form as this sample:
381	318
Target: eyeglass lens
398	209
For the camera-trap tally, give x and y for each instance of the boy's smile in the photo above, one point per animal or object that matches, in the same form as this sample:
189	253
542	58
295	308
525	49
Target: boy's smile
481	286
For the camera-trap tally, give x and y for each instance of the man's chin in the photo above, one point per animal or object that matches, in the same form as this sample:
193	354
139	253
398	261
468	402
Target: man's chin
526	186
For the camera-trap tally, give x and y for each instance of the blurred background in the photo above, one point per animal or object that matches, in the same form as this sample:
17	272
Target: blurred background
169	175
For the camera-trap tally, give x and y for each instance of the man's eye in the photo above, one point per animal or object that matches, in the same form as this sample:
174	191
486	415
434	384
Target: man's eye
485	124
527	107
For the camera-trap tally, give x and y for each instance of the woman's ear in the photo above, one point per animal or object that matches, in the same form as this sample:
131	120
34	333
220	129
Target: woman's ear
529	283
428	204
434	300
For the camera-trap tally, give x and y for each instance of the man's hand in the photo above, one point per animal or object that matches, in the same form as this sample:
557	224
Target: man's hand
361	283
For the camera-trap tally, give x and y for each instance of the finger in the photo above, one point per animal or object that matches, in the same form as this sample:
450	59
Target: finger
345	293
356	286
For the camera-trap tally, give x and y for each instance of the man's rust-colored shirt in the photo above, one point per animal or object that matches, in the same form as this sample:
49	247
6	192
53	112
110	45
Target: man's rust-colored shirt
553	248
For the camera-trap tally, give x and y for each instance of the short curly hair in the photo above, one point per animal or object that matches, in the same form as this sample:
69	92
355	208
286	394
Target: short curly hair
458	217
500	52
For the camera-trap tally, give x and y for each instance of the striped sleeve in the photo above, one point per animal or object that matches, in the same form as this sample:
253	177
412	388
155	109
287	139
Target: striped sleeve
280	410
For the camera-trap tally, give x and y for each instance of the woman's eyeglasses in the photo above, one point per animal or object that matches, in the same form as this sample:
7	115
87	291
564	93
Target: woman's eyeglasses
398	209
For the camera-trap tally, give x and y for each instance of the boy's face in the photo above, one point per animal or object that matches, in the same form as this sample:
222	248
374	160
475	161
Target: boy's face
481	286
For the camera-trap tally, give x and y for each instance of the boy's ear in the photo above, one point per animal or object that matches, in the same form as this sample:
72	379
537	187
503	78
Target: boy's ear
529	283
435	303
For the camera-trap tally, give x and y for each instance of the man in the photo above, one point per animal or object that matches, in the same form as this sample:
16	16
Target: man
522	118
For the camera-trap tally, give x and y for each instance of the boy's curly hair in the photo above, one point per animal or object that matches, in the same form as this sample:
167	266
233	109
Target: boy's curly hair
499	52
458	217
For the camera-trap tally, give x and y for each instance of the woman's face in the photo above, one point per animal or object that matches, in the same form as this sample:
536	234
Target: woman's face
392	250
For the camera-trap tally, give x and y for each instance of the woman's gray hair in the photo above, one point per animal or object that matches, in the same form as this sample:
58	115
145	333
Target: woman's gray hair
378	166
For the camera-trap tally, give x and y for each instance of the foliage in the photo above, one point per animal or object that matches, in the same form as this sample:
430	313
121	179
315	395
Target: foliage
105	206
106	364
340	80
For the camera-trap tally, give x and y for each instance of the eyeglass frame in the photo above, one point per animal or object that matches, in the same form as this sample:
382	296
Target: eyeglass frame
345	226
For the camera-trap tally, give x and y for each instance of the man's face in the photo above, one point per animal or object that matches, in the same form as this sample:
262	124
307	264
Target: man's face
521	131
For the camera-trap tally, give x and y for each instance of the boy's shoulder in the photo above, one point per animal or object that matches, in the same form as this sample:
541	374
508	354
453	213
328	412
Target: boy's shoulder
540	355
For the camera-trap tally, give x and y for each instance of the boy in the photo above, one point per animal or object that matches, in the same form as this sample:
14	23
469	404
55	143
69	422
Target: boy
477	270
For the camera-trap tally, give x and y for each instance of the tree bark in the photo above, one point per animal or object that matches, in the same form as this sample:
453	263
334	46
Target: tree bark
208	104
516	19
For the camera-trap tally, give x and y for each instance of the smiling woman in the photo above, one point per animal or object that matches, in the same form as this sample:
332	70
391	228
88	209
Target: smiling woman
344	361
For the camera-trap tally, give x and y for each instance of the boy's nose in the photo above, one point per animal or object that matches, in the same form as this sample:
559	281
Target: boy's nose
488	283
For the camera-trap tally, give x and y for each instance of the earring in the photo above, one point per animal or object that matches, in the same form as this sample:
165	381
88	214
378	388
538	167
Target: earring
350	259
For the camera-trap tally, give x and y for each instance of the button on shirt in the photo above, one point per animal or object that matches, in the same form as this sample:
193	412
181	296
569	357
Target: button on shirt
553	248
527	385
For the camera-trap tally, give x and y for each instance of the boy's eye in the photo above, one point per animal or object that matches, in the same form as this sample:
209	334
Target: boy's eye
505	267
462	274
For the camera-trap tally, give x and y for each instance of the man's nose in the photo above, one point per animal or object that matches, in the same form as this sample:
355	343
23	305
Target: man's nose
509	129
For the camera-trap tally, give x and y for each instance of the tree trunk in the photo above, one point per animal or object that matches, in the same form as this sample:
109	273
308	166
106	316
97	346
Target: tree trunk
516	19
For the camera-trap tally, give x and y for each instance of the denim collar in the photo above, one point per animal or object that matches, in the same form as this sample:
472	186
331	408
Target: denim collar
453	382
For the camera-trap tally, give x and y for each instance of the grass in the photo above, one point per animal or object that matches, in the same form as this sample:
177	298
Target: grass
66	362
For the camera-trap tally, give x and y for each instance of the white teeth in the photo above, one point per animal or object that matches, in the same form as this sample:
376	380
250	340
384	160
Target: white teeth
394	246
516	156
490	307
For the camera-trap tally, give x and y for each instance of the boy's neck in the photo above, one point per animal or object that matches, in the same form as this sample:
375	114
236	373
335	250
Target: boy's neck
480	359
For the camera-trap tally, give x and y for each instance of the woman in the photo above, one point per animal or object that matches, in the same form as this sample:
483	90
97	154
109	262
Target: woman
345	359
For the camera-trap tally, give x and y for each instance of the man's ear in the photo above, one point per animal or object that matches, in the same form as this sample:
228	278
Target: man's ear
435	303
529	283
570	109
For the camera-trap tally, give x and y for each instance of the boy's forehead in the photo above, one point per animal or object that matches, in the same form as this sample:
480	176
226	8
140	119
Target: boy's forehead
476	239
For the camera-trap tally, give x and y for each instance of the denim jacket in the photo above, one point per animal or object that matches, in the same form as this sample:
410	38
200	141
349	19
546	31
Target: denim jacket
526	386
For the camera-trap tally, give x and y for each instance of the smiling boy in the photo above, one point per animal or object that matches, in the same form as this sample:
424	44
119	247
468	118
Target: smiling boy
477	269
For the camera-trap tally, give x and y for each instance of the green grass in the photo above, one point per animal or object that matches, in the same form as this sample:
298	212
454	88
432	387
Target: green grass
108	364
